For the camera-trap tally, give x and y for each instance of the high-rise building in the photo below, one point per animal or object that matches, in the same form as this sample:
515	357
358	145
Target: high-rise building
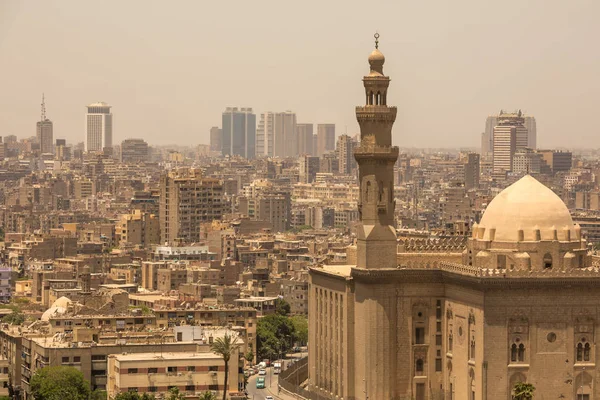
99	127
325	138
527	161
556	160
471	169
276	134
215	138
505	145
187	200
305	139
487	137
531	131
344	149
44	132
134	151
308	166
238	132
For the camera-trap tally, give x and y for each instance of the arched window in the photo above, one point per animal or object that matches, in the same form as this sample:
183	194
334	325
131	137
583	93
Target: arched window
521	353
419	367
547	261
513	353
370	98
584	350
579	356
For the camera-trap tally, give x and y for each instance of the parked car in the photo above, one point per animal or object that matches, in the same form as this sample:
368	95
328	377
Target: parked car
262	372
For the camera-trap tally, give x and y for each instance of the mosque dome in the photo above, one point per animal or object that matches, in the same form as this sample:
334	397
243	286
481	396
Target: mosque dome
527	210
376	61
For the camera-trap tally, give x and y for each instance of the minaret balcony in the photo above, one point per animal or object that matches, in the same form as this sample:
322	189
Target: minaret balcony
379	113
363	152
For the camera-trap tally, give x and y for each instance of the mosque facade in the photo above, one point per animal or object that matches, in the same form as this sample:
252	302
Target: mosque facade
517	302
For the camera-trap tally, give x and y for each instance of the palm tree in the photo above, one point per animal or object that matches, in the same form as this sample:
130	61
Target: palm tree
523	391
225	346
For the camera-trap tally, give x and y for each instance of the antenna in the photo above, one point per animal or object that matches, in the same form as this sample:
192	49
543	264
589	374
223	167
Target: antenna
43	107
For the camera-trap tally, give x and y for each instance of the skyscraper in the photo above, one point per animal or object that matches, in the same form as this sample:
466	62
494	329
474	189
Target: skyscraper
99	127
215	138
308	166
44	131
325	138
471	170
505	145
305	139
239	132
276	134
344	149
526	131
531	131
487	137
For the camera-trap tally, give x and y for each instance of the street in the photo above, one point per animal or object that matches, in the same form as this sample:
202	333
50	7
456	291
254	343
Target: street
270	388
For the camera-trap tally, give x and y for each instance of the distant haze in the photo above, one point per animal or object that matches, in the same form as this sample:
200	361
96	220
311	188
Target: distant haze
169	68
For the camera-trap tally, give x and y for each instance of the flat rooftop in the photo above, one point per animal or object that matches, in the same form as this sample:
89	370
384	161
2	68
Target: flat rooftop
166	356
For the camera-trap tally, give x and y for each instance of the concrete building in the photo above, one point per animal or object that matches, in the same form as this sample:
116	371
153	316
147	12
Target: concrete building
531	131
44	132
84	188
134	151
527	161
187	199
471	170
325	138
99	127
138	229
277	134
238	134
216	135
557	160
487	137
507	309
5	284
308	166
505	145
304	132
344	149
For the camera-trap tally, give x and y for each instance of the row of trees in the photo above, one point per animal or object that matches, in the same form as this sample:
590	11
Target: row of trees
277	333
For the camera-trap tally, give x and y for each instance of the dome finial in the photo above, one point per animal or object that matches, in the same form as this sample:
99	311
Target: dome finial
376	36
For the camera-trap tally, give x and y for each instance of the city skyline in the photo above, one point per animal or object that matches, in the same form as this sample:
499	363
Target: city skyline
440	75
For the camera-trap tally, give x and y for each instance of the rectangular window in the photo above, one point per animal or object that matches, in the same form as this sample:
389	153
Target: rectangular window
152	370
438	340
213	368
76	359
191	368
171	369
438	326
152	389
132	389
132	371
65	360
190	388
438	365
98	357
419	335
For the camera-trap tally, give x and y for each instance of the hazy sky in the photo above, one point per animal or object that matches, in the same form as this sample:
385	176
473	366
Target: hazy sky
169	68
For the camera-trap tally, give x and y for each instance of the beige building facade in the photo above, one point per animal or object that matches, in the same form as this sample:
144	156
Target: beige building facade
517	303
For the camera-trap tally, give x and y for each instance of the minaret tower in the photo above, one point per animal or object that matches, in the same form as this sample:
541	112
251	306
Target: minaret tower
376	236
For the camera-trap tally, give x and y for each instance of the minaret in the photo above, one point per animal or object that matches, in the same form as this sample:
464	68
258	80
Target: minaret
376	236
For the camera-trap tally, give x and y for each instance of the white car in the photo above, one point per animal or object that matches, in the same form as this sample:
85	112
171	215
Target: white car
262	372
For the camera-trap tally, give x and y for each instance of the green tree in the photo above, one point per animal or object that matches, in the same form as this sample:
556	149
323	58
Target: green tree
98	395
134	396
225	346
249	356
59	383
273	333
175	395
282	307
14	318
300	329
523	391
207	396
5	398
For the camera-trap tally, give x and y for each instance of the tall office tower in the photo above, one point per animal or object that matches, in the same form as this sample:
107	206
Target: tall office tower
99	127
315	145
44	132
344	149
505	145
62	153
308	166
531	131
325	138
487	137
186	201
239	132
215	138
471	170
276	134
305	139
134	151
527	161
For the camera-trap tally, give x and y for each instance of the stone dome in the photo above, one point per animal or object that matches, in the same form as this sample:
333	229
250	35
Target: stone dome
376	61
528	206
